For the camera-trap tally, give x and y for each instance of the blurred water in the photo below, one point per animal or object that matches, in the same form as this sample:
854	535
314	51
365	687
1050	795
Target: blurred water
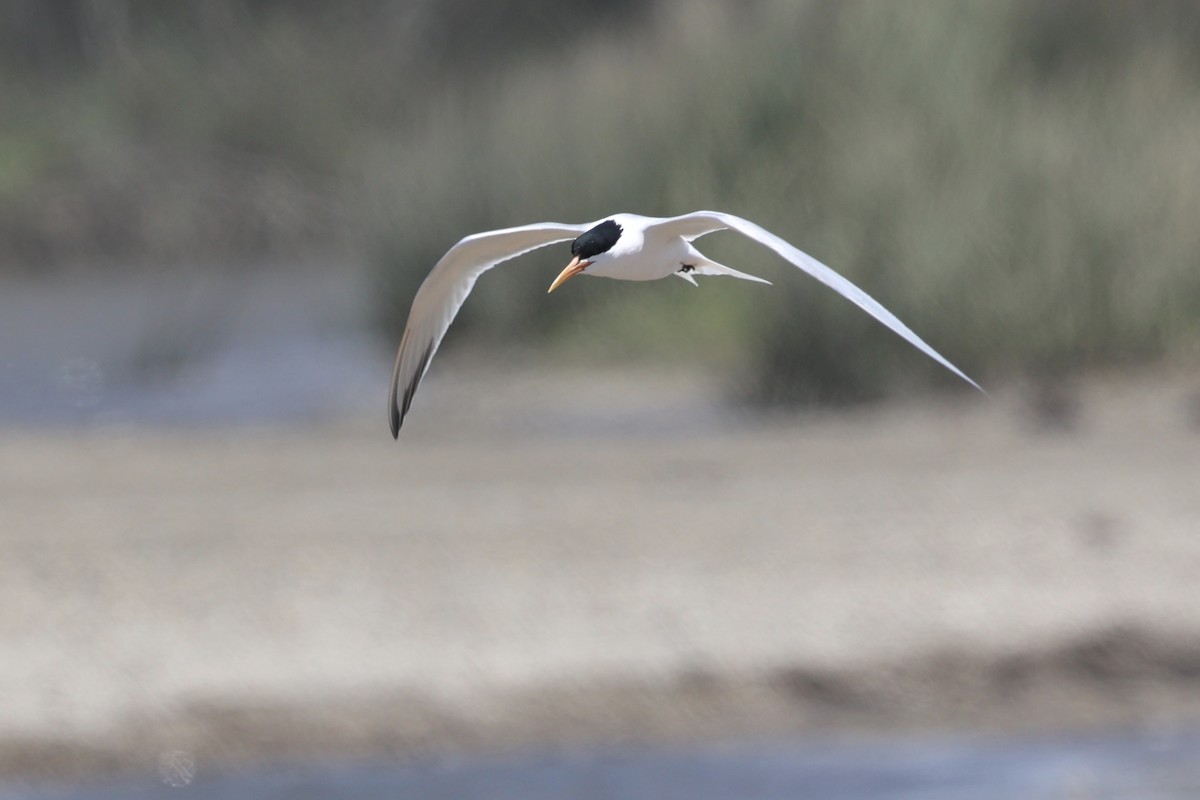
270	346
1114	767
267	345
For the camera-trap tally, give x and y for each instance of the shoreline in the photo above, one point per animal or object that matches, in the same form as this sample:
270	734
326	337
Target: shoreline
252	594
1119	679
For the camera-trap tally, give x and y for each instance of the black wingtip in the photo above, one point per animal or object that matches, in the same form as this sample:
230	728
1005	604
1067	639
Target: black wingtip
400	409
396	408
393	406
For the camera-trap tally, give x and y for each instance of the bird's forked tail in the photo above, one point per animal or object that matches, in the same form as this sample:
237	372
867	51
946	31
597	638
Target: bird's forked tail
699	264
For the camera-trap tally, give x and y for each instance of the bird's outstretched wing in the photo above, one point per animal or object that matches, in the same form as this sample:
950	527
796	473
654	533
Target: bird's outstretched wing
443	292
698	223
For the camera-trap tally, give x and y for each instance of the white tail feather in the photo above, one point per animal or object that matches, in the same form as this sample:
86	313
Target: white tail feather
703	265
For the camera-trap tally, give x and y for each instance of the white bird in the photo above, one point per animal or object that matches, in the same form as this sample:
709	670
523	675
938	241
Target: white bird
624	246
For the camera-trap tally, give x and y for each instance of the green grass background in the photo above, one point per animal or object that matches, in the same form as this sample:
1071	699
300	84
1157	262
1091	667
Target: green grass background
1018	180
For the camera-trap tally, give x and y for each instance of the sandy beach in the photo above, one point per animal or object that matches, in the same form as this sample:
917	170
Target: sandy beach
545	560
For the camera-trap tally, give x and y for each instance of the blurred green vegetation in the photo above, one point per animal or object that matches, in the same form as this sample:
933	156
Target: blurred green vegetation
1018	180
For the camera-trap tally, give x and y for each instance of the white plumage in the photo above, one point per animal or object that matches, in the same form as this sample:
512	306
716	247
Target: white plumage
622	246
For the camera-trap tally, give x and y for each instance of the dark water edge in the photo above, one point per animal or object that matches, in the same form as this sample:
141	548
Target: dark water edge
188	349
265	348
1162	766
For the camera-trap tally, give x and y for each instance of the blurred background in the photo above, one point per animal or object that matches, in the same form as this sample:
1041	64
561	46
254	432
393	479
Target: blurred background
635	538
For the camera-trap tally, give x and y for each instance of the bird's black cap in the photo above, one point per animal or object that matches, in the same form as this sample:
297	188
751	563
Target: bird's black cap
599	239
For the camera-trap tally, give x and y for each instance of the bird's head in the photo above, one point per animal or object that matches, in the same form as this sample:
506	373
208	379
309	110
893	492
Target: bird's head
590	247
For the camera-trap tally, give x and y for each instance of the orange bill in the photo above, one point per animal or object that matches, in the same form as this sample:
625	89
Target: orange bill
576	266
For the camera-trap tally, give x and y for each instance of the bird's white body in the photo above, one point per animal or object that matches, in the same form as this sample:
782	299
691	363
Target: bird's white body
623	246
649	250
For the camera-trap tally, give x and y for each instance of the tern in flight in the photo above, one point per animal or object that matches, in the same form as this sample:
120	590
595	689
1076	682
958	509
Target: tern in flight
624	246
